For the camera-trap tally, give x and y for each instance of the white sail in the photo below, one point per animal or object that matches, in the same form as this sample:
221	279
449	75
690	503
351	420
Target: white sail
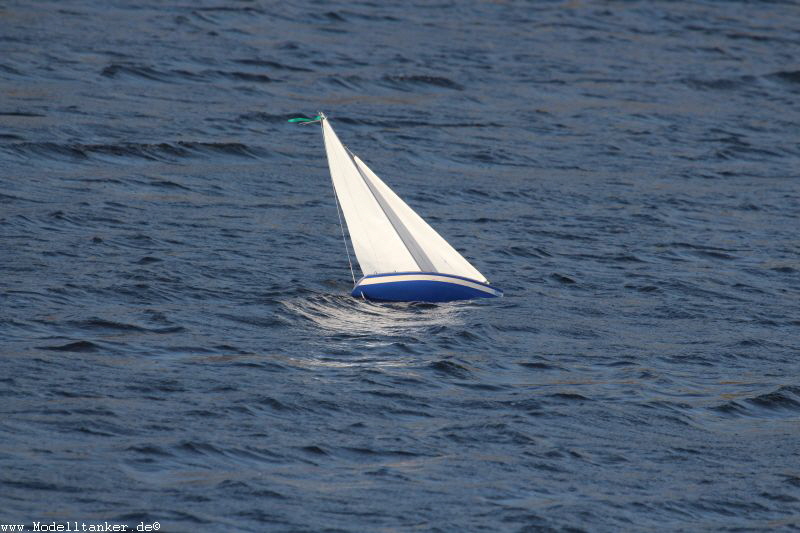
377	245
443	257
387	235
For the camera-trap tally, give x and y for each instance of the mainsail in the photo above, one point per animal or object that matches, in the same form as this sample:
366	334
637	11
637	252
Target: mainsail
387	235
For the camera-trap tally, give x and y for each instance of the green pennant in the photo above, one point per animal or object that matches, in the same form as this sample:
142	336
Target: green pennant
315	119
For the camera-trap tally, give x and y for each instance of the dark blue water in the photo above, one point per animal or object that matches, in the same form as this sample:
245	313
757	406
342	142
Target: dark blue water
177	339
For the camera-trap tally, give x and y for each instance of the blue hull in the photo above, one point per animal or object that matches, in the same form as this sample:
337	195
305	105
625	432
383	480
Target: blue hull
422	287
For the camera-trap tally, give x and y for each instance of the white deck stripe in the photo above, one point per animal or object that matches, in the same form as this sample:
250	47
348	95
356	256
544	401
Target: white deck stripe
425	277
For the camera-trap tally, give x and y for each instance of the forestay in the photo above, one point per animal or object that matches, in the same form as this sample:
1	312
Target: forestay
387	235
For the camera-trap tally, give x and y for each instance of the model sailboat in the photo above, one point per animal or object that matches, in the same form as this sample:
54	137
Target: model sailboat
402	258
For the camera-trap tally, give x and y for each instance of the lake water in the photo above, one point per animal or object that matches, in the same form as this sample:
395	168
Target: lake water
177	339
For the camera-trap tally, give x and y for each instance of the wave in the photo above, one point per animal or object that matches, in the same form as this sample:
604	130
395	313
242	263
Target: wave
409	82
164	152
787	77
783	401
122	70
275	65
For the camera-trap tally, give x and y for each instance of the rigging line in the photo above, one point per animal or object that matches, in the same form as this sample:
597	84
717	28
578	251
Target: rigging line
339	213
346	249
